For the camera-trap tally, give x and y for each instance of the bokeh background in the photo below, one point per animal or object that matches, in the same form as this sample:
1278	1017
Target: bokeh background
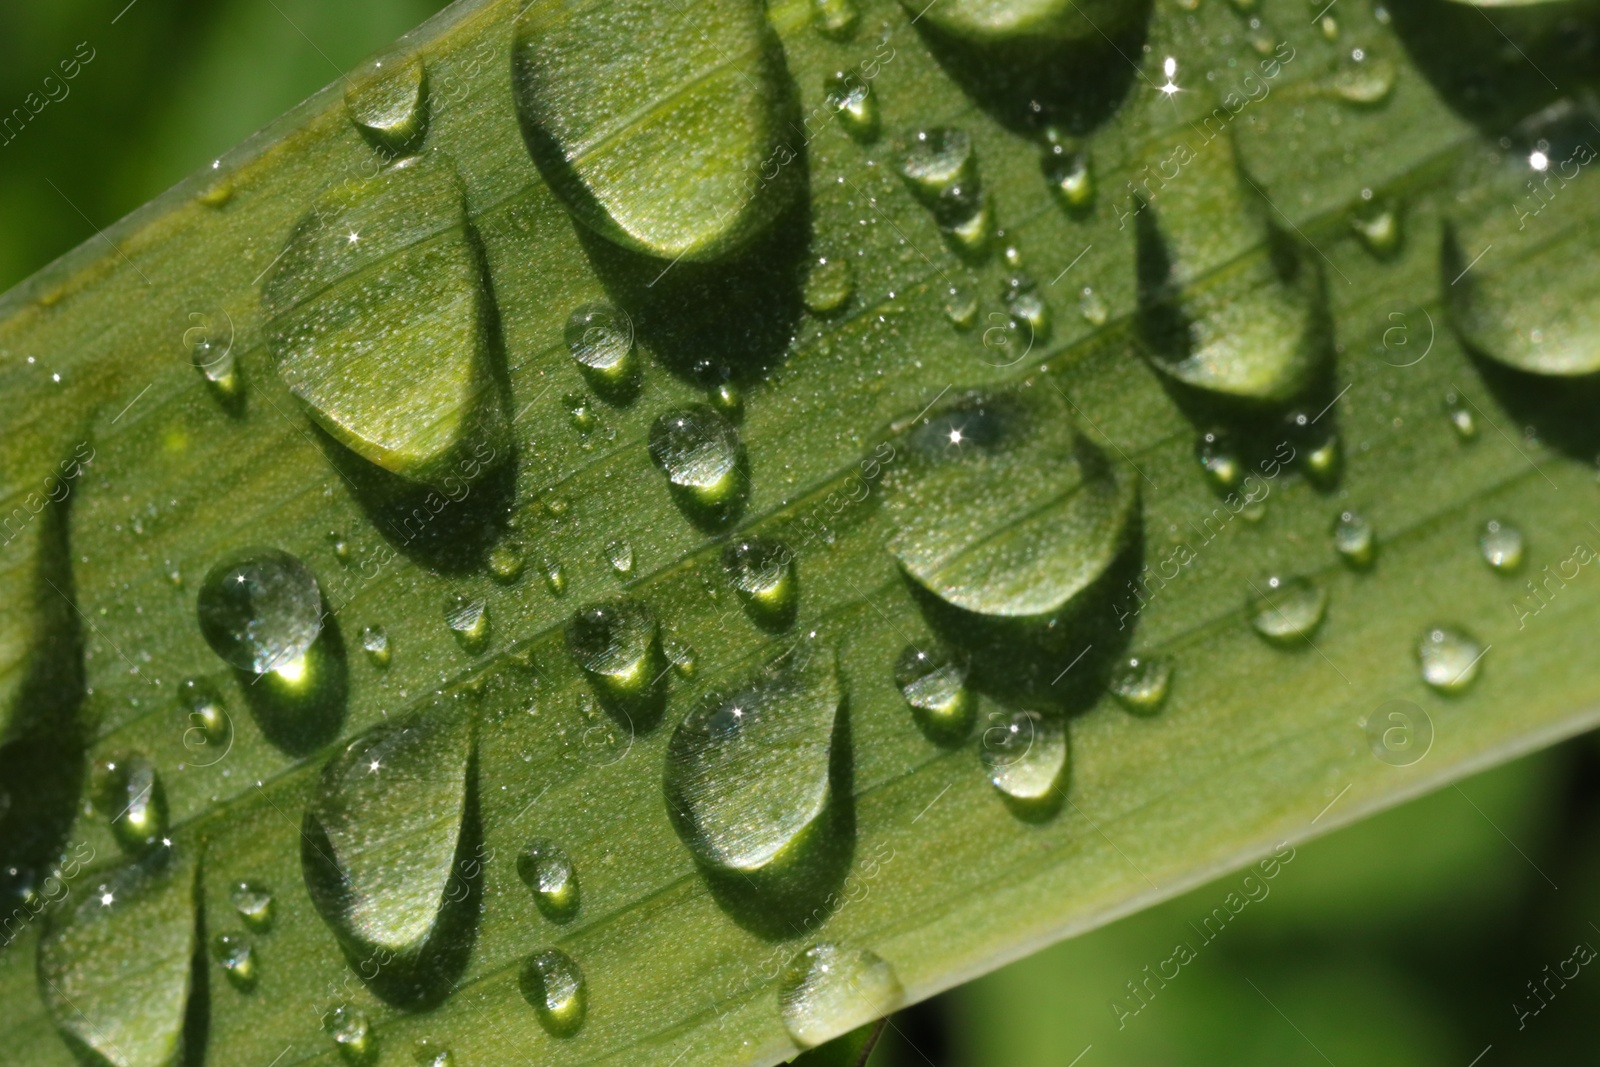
1417	937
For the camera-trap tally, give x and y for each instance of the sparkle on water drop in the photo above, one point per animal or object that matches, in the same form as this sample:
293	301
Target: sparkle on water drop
829	285
620	555
375	642
1141	683
1286	610
260	610
703	459
468	619
1219	460
935	688
253	902
552	982
545	868
960	307
763	575
1092	307
852	98
600	338
237	959
128	790
1026	755
352	1035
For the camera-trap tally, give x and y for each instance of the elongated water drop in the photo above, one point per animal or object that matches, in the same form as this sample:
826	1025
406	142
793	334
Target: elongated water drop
617	644
1070	171
237	959
554	984
748	772
1026	755
545	868
703	459
128	790
1286	610
468	619
1141	683
1093	307
390	106
960	307
830	989
379	323
1461	420
763	575
143	917
261	610
208	733
1501	544
375	642
381	836
852	99
1450	659
673	160
253	902
620	555
935	688
941	169
1355	540
217	364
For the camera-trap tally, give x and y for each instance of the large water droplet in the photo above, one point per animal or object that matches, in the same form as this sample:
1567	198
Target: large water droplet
128	791
1026	755
379	324
703	459
763	575
852	99
1141	683
253	902
935	687
683	159
468	619
390	107
545	868
1450	659
1043	22
1355	540
553	983
237	959
261	610
1286	610
748	773
115	965
380	844
617	644
1502	546
830	989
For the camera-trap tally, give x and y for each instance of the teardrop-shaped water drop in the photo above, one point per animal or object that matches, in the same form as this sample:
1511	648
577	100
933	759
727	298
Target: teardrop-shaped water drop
554	984
115	965
703	459
1286	610
1025	304
390	106
830	989
934	685
941	169
1219	460
375	642
261	610
381	836
960	307
1354	539
728	399
675	160
1501	544
352	1035
378	320
1379	231
208	730
1141	683
1007	511
128	790
748	775
555	577
835	18
1026	755
600	338
620	555
253	902
1070	171
215	360
829	286
617	645
468	619
853	101
545	868
1450	659
763	575
237	959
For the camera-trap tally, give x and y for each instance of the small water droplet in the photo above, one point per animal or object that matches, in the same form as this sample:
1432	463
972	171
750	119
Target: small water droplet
600	338
581	408
261	610
728	398
1092	307
763	574
835	18
700	452
617	646
620	555
1219	460
1450	660
1461	419
391	107
352	1035
208	735
1286	610
505	561
1141	683
1026	304
1365	81
238	960
339	546
1502	545
468	619
552	982
829	285
1379	231
215	361
1355	540
830	989
555	505
545	868
1323	462
1026	756
1069	169
555	577
253	902
852	98
682	658
937	159
375	641
960	307
430	1053
935	687
128	791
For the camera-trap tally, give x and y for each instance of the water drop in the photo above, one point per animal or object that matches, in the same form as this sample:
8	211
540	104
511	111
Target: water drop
682	658
253	902
834	18
830	989
748	777
728	398
340	546
555	577
960	307
936	160
1025	304
505	562
1141	683
1379	231
829	286
261	610
352	1035
1354	539
1032	24
545	868
1502	546
429	1053
468	619
128	791
238	960
762	572
620	555
219	367
581	408
1219	460
600	338
1070	172
702	456
1462	422
208	735
935	687
552	982
617	646
375	642
852	98
1286	610
1026	756
391	107
1323	462
1450	660
1365	81
1092	307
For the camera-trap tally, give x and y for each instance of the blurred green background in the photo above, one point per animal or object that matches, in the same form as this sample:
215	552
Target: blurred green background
1409	939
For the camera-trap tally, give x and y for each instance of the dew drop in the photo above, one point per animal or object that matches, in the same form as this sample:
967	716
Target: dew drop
209	734
935	688
941	170
340	546
600	338
852	99
390	108
617	645
1354	539
128	791
1324	461
1070	171
1092	307
763	575
620	555
261	610
960	307
1046	24
1366	81
1141	683
238	960
1450	660
830	989
829	286
352	1035
505	562
555	577
430	1053
552	982
702	456
1025	304
375	642
468	619
253	902
728	398
1219	460
1502	546
581	408
1462	422
1286	610
748	773
545	868
217	364
682	658
1379	231
1026	756
835	18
